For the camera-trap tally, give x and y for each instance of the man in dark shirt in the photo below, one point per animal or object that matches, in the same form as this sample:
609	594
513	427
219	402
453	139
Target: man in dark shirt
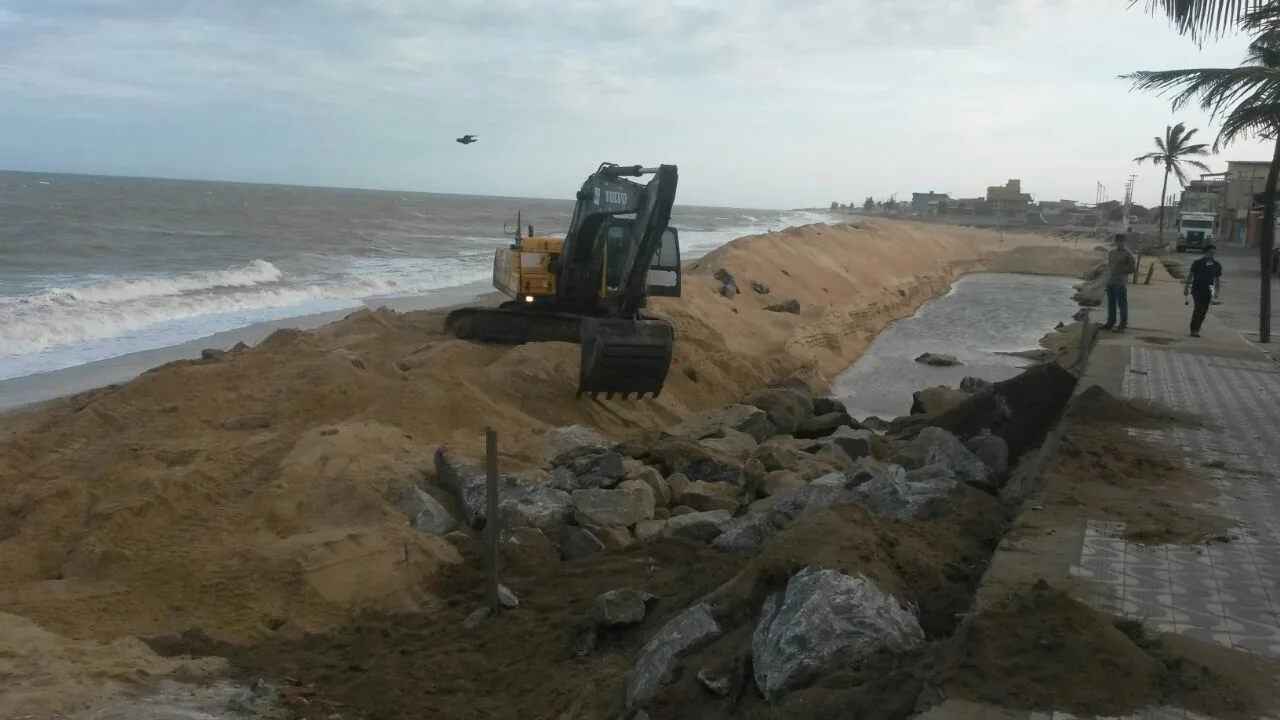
1203	285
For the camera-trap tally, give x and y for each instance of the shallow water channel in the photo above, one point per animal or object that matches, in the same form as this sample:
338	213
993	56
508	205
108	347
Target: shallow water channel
983	315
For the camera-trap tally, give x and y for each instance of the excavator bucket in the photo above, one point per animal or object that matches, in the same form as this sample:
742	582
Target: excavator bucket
619	357
624	357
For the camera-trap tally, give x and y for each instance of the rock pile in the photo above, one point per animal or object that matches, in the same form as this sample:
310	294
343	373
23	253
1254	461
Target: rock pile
733	479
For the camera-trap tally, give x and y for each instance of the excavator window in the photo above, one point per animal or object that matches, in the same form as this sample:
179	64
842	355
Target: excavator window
617	243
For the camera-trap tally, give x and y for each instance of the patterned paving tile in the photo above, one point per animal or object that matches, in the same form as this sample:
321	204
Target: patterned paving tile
1227	592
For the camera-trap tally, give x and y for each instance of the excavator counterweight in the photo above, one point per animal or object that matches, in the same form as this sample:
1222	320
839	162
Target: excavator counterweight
590	287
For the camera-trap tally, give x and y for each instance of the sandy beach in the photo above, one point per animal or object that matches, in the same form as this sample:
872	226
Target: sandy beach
256	494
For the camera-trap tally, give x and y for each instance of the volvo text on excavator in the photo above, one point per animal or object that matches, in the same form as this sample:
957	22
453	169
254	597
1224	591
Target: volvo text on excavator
591	286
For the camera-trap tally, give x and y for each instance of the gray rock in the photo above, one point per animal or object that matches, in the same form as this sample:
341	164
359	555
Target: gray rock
795	503
683	635
938	360
744	418
934	400
719	683
699	526
864	471
828	405
777	456
992	450
697	461
648	531
922	493
875	424
935	446
851	444
704	496
728	285
624	506
973	385
580	544
563	479
745	534
521	503
676	483
794	384
835	480
592	467
426	514
731	442
754	477
780	481
624	606
786	408
568	437
820	426
477	616
506	598
759	288
653	478
822	621
786	306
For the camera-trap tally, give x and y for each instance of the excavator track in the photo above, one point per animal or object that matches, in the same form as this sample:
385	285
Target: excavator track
619	357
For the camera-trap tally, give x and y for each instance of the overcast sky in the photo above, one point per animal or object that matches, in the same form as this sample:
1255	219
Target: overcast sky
761	103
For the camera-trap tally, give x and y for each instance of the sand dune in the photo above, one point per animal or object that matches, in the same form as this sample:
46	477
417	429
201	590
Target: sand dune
255	492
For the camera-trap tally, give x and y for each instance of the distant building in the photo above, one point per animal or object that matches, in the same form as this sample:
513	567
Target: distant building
1244	179
925	199
1008	198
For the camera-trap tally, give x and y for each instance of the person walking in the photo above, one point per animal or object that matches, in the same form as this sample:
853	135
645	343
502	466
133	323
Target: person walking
1204	284
1120	265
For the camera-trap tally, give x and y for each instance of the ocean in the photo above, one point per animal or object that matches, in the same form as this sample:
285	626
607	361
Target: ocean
93	268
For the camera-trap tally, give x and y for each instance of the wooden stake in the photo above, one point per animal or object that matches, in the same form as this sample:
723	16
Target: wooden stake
492	522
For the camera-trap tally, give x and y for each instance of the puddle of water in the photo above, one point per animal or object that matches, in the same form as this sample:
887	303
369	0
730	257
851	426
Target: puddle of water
983	314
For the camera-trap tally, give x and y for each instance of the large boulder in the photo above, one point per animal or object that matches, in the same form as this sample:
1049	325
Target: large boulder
521	503
820	426
696	461
580	543
786	408
825	620
921	493
744	418
935	446
683	635
850	445
936	399
567	437
748	533
704	496
624	506
828	405
970	384
992	450
592	466
624	606
775	455
699	526
426	514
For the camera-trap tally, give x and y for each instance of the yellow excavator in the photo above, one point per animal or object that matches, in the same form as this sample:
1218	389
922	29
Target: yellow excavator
591	286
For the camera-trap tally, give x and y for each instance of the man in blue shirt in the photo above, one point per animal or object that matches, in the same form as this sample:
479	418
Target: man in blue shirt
1203	285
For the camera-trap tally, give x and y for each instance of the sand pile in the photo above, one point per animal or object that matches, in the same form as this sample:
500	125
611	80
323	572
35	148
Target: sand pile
1096	406
1041	649
256	492
48	676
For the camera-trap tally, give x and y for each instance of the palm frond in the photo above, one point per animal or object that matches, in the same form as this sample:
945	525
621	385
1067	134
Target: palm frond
1155	158
1215	90
1202	19
1261	20
1249	120
1197	149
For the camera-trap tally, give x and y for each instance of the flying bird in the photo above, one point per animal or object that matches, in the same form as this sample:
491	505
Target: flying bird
467	139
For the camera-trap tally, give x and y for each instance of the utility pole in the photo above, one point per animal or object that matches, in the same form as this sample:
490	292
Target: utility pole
1128	199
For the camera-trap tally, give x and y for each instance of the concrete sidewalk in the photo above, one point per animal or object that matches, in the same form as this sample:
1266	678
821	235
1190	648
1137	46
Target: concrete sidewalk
1224	592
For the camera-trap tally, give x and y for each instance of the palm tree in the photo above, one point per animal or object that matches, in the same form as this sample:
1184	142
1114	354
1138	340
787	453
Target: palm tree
1174	151
1246	99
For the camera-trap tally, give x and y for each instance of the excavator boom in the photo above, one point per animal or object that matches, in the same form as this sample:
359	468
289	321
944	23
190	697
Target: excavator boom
624	352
